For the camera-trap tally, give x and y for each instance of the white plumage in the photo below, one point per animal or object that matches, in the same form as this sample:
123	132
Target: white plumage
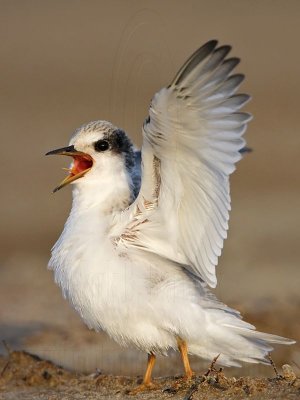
138	266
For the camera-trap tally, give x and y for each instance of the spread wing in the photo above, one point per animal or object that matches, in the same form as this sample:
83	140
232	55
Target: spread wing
191	142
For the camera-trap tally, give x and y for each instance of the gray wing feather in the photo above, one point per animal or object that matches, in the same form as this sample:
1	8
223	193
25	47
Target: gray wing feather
136	173
192	140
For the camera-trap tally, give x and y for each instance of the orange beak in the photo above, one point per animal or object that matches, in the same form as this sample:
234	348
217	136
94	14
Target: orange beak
81	165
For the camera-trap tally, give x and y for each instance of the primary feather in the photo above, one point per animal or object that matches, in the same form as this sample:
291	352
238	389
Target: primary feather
192	140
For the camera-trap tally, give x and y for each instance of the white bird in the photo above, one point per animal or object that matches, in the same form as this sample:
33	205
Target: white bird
139	249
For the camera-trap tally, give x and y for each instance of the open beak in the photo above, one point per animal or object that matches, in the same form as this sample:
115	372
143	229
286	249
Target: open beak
82	163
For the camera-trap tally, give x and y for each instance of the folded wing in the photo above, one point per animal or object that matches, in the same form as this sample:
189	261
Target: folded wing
191	142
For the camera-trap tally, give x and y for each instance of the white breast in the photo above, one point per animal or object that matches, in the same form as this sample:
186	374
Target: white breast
135	297
108	290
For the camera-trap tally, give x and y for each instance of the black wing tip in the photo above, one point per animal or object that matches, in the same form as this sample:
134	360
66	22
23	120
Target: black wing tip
239	76
201	53
246	150
233	60
208	47
226	48
246	96
210	44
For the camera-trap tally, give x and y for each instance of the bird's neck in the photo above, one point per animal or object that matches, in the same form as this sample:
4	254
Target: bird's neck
104	196
94	206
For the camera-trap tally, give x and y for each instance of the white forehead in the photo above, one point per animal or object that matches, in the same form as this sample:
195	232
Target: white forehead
91	132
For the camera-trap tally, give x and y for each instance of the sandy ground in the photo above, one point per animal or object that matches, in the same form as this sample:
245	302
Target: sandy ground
24	376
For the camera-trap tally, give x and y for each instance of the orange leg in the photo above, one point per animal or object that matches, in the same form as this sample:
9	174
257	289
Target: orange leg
182	347
148	374
147	380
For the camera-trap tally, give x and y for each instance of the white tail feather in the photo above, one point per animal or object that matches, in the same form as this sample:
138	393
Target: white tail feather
236	341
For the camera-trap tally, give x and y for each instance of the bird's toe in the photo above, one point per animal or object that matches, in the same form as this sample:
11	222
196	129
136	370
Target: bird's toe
143	387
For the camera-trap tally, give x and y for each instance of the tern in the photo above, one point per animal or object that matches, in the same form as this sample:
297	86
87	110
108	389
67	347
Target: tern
138	252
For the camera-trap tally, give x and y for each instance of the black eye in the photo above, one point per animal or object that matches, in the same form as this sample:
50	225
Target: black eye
101	145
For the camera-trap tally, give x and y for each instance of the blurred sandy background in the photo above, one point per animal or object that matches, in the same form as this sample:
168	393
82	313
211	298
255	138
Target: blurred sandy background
66	62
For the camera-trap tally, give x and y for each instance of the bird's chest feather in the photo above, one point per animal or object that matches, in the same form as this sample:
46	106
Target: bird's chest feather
102	285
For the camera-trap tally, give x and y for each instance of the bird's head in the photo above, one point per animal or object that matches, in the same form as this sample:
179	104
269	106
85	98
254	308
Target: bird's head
96	148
